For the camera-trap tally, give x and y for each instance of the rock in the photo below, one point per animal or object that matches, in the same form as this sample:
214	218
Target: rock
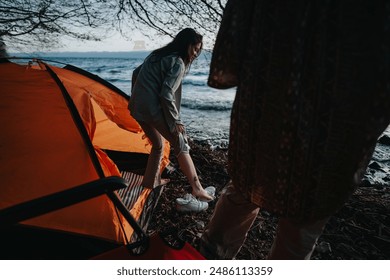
323	247
365	182
375	165
385	140
200	224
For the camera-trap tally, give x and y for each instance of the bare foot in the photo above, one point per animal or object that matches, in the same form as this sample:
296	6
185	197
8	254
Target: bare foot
202	195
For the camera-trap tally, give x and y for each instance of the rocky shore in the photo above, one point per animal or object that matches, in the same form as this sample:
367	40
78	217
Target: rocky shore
360	230
378	171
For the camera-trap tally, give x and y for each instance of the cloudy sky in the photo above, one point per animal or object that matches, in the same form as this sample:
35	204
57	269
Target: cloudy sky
114	43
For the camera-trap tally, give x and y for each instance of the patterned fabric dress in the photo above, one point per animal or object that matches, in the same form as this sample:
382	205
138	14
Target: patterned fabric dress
313	96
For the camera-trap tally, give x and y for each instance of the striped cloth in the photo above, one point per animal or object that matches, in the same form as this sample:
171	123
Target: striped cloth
134	189
134	195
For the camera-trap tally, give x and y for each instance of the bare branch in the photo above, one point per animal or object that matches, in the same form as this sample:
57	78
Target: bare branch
168	16
36	21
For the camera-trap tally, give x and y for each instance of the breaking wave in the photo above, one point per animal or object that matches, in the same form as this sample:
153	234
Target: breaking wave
207	106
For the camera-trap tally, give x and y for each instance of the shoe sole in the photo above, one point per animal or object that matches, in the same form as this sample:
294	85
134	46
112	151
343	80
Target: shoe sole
181	208
185	206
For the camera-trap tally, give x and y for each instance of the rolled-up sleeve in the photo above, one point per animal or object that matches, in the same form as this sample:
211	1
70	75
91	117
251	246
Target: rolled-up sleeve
172	81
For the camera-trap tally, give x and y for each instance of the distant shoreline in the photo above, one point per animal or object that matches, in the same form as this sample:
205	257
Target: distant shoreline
86	54
99	54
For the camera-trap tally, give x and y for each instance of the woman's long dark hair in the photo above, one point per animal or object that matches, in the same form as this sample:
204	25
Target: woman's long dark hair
180	44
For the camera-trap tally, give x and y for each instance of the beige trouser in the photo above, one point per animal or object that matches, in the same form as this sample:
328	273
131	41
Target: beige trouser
232	218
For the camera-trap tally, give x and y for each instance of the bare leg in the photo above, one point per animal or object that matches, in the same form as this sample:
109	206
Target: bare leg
188	168
152	174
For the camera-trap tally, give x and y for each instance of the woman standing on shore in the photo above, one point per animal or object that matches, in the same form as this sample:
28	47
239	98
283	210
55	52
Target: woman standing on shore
155	104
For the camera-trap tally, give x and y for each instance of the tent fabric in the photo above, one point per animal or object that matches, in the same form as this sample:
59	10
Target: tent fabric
56	124
36	125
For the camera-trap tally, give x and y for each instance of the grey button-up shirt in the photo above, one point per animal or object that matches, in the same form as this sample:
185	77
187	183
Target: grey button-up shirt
156	92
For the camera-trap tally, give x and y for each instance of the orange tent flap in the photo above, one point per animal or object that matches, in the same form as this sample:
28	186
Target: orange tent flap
109	136
112	103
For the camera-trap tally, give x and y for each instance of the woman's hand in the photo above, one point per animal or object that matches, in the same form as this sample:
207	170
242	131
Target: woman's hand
179	128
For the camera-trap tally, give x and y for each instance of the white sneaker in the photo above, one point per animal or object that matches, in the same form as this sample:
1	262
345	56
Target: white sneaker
189	203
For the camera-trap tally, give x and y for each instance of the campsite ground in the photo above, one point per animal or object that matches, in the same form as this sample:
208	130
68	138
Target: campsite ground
360	230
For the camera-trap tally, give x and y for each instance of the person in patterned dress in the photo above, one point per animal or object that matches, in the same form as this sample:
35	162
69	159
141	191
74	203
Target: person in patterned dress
313	96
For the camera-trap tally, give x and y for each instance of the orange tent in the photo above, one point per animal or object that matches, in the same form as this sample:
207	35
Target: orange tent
58	127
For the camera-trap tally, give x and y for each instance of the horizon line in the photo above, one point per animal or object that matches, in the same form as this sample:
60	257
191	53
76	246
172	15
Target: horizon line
146	50
80	51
